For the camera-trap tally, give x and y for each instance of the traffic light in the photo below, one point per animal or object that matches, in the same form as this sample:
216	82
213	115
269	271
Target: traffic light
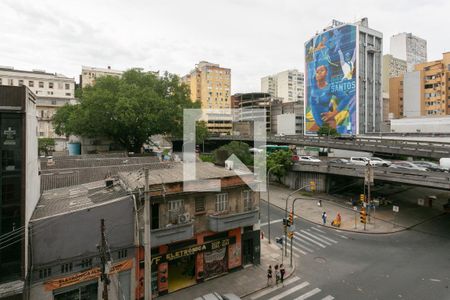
291	218
312	186
290	234
285	222
362	198
362	216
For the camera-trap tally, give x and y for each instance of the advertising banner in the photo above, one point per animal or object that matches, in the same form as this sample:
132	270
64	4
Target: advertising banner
330	81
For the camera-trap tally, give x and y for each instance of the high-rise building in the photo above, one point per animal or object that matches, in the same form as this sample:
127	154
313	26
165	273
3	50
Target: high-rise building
210	85
343	79
410	48
19	184
424	92
287	85
52	91
89	74
392	67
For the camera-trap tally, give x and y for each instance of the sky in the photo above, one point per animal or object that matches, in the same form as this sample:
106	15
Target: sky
254	38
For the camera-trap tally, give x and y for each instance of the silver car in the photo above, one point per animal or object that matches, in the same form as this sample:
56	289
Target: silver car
407	166
217	296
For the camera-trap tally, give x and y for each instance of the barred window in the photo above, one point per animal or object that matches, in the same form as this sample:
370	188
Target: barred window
44	273
247	199
175	205
199	204
122	253
222	202
66	268
86	263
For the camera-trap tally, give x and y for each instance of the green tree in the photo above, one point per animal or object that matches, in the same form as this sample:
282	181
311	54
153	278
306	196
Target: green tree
280	162
127	110
240	149
327	130
45	145
201	132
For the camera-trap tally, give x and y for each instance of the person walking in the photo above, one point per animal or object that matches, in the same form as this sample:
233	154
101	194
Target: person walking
282	272
324	218
269	275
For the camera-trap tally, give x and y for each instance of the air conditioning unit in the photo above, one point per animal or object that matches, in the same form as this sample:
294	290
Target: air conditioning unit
184	218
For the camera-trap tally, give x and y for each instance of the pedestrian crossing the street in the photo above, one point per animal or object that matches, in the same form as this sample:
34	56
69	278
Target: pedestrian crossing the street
293	288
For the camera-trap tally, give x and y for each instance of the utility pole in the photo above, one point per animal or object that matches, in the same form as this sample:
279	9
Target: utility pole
104	258
147	247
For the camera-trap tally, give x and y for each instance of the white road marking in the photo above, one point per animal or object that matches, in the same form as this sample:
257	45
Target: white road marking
272	222
296	242
290	291
327	238
311	240
317	229
297	249
343	236
316	237
329	297
274	288
308	294
436	280
304	242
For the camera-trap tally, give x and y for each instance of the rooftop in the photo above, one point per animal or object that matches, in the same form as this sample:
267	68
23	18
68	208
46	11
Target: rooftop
34	72
173	174
69	199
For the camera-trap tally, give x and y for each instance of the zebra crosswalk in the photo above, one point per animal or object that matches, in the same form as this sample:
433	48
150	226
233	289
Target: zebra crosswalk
308	240
293	288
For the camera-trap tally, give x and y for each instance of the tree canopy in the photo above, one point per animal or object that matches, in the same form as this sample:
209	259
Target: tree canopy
327	130
279	162
240	149
127	110
46	145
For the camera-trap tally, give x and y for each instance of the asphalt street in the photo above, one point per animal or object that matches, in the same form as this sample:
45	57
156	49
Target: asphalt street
334	264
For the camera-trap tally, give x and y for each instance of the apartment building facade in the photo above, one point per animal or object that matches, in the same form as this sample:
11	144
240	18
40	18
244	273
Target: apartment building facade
52	91
210	85
195	235
392	67
90	74
287	85
410	48
19	185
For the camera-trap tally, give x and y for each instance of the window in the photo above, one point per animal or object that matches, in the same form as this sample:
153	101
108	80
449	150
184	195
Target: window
122	253
50	85
53	101
67	86
31	83
0	81
222	202
86	263
175	205
68	94
199	204
247	199
66	268
44	273
41	84
60	85
20	82
10	81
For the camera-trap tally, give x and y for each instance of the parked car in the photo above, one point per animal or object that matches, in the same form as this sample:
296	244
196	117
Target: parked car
407	165
430	166
339	161
376	161
308	158
217	296
360	161
279	134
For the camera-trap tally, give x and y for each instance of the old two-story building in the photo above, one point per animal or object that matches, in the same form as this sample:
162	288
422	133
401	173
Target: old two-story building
196	233
65	232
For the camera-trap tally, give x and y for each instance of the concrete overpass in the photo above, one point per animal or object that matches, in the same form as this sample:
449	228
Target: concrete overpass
416	148
438	180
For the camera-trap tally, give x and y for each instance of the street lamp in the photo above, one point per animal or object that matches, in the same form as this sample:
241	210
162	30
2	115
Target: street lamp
268	197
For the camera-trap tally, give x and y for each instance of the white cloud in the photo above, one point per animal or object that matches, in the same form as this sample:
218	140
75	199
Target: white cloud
254	37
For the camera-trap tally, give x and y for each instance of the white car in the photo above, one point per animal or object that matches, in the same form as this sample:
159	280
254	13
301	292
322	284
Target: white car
308	158
407	166
217	296
376	161
360	161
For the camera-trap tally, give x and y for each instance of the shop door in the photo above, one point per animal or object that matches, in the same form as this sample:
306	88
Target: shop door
181	273
86	292
248	252
215	262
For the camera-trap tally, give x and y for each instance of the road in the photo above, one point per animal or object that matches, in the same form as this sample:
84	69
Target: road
333	264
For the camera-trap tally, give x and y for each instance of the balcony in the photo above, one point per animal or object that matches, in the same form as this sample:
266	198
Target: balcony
219	223
172	233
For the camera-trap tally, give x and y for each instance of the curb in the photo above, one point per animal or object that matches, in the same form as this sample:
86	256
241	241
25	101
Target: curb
265	287
361	232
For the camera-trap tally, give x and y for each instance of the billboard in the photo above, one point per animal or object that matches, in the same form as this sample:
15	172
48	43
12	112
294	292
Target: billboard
330	81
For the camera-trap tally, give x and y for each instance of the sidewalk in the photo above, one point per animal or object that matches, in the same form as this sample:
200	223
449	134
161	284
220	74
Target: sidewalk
241	282
383	219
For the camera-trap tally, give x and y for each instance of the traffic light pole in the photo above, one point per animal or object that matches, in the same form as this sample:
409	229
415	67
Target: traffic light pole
293	220
268	199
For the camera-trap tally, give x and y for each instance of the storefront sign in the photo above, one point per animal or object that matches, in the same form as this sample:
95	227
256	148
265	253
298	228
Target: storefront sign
209	246
10	137
85	276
